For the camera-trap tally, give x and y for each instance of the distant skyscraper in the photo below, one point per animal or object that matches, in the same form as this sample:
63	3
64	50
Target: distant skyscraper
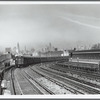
50	46
18	48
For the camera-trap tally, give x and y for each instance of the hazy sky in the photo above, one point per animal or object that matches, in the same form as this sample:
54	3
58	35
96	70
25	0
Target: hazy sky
36	25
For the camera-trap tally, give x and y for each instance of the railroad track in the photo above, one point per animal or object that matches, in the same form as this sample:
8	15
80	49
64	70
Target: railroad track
25	84
86	74
8	81
60	83
13	92
95	75
73	78
78	85
39	86
35	85
20	92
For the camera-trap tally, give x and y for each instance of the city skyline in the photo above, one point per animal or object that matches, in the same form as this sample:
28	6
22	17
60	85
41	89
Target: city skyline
35	26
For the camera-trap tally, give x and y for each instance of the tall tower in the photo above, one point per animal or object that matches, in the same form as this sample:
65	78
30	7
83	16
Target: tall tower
18	47
49	46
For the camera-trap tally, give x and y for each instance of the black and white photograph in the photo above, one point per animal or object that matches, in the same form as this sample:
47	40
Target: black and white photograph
49	49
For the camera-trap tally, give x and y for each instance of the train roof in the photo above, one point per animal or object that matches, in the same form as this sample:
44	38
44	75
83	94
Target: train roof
39	57
86	51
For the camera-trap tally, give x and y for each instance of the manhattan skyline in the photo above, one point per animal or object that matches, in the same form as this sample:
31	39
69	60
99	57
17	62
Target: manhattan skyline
62	25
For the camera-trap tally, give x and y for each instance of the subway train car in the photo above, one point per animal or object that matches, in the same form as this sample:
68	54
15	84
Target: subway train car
22	61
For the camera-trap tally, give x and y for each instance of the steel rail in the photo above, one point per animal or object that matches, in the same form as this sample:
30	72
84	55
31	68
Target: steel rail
67	87
30	77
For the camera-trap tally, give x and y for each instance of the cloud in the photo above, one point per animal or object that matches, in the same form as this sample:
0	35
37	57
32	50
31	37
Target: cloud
80	23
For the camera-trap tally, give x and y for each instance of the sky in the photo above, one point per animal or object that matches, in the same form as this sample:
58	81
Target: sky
37	25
